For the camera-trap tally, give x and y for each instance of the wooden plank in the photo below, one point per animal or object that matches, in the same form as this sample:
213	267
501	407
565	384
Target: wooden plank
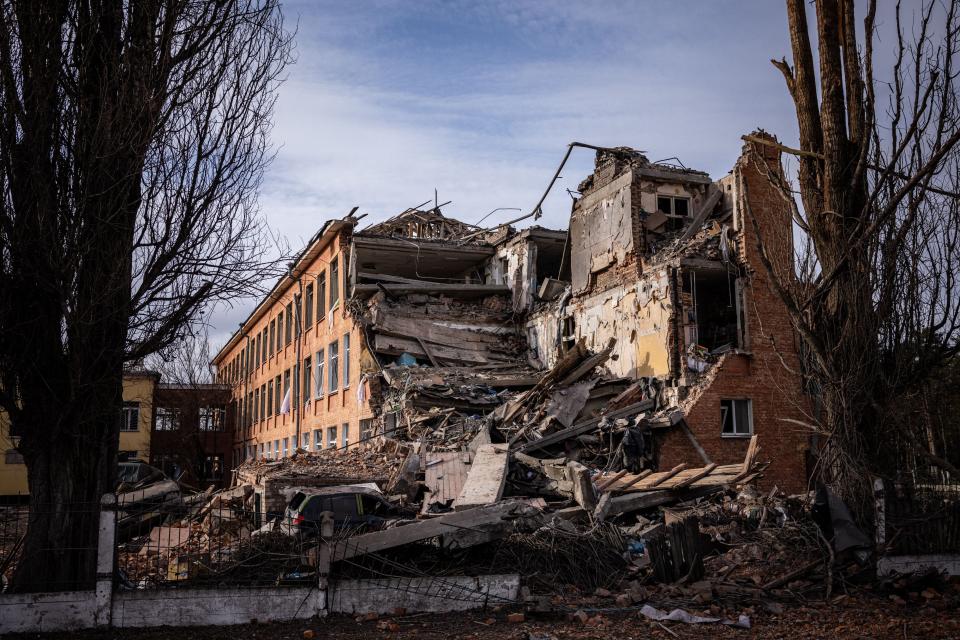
637	501
487	476
698	475
661	478
748	459
602	486
640	476
445	475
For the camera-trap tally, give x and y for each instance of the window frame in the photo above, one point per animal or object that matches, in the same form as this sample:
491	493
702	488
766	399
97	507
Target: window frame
333	374
308	306
731	410
129	405
173	413
318	373
345	356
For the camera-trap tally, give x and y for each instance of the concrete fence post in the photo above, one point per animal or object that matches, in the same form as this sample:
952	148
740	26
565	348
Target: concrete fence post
880	499
106	556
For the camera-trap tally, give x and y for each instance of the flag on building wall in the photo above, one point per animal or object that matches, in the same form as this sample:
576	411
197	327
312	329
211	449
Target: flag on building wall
285	407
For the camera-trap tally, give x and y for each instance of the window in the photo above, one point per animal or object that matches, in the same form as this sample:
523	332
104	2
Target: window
307	378
279	331
305	441
676	209
256	405
263	402
256	351
333	349
345	435
285	447
331	437
321	295
334	281
288	326
366	429
213	467
308	306
346	360
317	439
211	418
276	448
272	341
265	346
168	419
13	457
277	399
270	398
736	416
130	417
318	375
169	463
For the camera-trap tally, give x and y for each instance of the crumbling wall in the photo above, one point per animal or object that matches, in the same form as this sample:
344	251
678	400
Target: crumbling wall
636	314
515	266
601	231
767	374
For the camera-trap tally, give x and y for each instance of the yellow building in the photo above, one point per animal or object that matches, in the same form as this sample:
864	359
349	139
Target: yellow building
135	428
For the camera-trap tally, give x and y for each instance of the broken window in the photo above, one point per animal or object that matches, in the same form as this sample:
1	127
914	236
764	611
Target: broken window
211	418
130	417
288	326
213	467
277	397
168	419
318	375
334	281
321	295
308	306
366	429
709	297
346	360
736	416
317	439
676	209
331	437
286	383
345	435
334	350
276	448
307	378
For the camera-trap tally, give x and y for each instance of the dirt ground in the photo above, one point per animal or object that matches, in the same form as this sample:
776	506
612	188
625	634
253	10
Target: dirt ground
871	618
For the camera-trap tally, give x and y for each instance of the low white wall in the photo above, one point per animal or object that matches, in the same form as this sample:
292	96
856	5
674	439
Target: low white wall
428	594
72	610
943	562
38	612
188	607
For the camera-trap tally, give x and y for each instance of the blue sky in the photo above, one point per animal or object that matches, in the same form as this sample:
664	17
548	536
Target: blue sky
389	100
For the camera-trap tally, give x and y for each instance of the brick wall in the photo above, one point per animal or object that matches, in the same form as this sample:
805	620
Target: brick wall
767	374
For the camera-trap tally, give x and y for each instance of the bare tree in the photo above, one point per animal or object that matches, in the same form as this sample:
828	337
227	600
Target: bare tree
135	134
185	362
876	302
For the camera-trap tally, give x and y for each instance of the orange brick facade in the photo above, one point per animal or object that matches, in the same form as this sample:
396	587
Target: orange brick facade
264	355
768	373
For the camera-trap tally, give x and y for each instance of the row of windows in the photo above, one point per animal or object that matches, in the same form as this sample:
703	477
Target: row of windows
287	325
310	441
208	418
271	397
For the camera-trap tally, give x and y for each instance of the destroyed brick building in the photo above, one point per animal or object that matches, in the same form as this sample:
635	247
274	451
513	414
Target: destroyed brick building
445	330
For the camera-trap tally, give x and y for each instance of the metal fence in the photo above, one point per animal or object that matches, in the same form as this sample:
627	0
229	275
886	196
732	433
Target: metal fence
220	544
921	518
41	564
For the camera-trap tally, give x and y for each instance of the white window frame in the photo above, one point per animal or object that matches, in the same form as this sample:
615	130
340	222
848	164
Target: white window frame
129	407
737	433
173	424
